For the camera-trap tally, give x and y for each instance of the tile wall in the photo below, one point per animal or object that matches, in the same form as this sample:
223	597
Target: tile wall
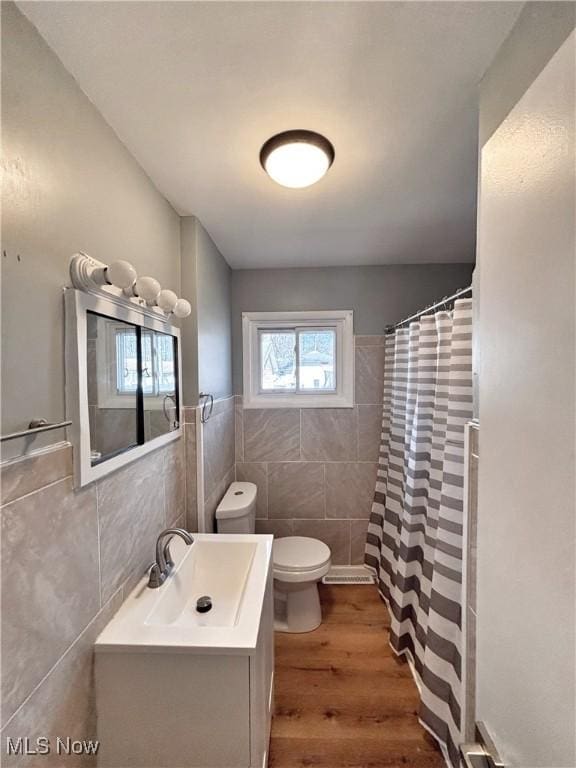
315	468
68	559
218	456
76	554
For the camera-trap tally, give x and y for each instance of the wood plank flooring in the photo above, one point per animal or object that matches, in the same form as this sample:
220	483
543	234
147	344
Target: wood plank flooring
343	698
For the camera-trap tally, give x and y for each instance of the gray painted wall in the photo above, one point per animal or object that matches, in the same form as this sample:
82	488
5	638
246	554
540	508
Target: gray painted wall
69	184
539	32
214	318
207	346
188	270
378	295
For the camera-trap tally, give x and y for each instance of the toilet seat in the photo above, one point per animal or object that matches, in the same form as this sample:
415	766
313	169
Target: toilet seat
300	558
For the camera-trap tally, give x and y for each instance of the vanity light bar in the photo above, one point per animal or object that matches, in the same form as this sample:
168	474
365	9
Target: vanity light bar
91	275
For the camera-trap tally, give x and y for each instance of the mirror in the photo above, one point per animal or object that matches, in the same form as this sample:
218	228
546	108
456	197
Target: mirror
122	382
112	378
113	375
159	383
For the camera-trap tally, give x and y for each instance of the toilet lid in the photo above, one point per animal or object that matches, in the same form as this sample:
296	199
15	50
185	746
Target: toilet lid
299	553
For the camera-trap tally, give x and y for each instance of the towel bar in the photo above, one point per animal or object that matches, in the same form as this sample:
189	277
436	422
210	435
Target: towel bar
35	426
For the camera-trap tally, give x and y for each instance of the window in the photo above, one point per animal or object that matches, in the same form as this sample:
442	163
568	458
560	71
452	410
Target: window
118	352
157	362
127	357
298	359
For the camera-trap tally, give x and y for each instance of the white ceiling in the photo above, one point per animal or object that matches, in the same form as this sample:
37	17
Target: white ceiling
195	88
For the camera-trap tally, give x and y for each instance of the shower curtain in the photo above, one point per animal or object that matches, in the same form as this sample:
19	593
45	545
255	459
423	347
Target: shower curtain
414	542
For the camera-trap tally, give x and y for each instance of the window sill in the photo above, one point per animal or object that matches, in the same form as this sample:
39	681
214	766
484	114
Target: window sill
300	401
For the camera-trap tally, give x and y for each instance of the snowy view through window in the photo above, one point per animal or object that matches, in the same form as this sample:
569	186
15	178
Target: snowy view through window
315	351
157	363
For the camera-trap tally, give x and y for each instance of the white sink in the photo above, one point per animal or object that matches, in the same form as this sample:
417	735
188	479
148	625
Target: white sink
231	569
217	569
176	688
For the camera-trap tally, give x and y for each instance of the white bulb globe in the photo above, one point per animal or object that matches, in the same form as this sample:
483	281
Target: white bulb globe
121	274
182	308
167	300
147	288
297	165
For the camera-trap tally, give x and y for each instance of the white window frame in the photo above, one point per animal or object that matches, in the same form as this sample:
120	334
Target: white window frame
108	395
342	321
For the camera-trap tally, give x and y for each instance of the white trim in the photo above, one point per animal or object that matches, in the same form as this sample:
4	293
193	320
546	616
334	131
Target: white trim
341	320
77	305
35	453
200	511
468	669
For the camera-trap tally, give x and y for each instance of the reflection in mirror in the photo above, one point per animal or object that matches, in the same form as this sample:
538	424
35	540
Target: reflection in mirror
159	383
112	368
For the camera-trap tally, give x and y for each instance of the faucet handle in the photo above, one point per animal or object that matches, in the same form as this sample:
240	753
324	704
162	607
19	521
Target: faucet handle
164	563
157	577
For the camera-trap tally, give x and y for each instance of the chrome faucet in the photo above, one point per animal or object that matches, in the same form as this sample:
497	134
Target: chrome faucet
164	563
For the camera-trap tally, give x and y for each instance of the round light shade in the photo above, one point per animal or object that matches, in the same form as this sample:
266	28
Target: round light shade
147	288
121	274
297	158
166	300
182	308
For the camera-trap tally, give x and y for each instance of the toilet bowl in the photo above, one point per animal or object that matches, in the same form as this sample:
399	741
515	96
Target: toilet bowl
299	562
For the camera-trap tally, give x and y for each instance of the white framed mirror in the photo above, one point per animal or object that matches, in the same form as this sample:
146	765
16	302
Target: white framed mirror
123	382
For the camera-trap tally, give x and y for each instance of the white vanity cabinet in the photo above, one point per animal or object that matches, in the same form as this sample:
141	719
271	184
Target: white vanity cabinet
262	684
187	707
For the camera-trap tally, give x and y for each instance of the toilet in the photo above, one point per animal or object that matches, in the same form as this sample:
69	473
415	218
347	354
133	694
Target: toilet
299	562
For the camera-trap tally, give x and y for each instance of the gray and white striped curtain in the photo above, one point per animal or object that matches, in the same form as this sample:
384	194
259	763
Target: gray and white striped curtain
414	542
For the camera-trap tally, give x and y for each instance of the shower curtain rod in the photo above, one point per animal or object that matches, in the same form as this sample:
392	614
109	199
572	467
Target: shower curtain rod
442	303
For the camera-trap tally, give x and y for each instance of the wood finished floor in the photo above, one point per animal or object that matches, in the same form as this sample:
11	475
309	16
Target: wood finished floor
343	699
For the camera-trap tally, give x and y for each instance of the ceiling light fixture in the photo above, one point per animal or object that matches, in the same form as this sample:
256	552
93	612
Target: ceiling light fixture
297	159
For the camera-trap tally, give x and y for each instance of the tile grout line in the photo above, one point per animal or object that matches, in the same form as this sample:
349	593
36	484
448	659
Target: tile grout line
37	453
99	548
243	435
185	452
325	492
164	490
60	658
37	490
311	461
357	410
350	543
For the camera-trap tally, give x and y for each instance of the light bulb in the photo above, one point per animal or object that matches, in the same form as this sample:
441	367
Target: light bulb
167	300
297	158
121	274
297	165
147	288
182	308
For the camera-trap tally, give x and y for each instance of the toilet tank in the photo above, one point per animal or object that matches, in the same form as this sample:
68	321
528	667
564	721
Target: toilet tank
236	513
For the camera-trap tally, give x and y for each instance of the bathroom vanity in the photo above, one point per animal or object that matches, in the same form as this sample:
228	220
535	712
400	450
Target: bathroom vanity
178	688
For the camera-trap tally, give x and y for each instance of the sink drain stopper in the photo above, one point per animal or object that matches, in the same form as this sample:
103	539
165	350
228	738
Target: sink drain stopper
204	604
